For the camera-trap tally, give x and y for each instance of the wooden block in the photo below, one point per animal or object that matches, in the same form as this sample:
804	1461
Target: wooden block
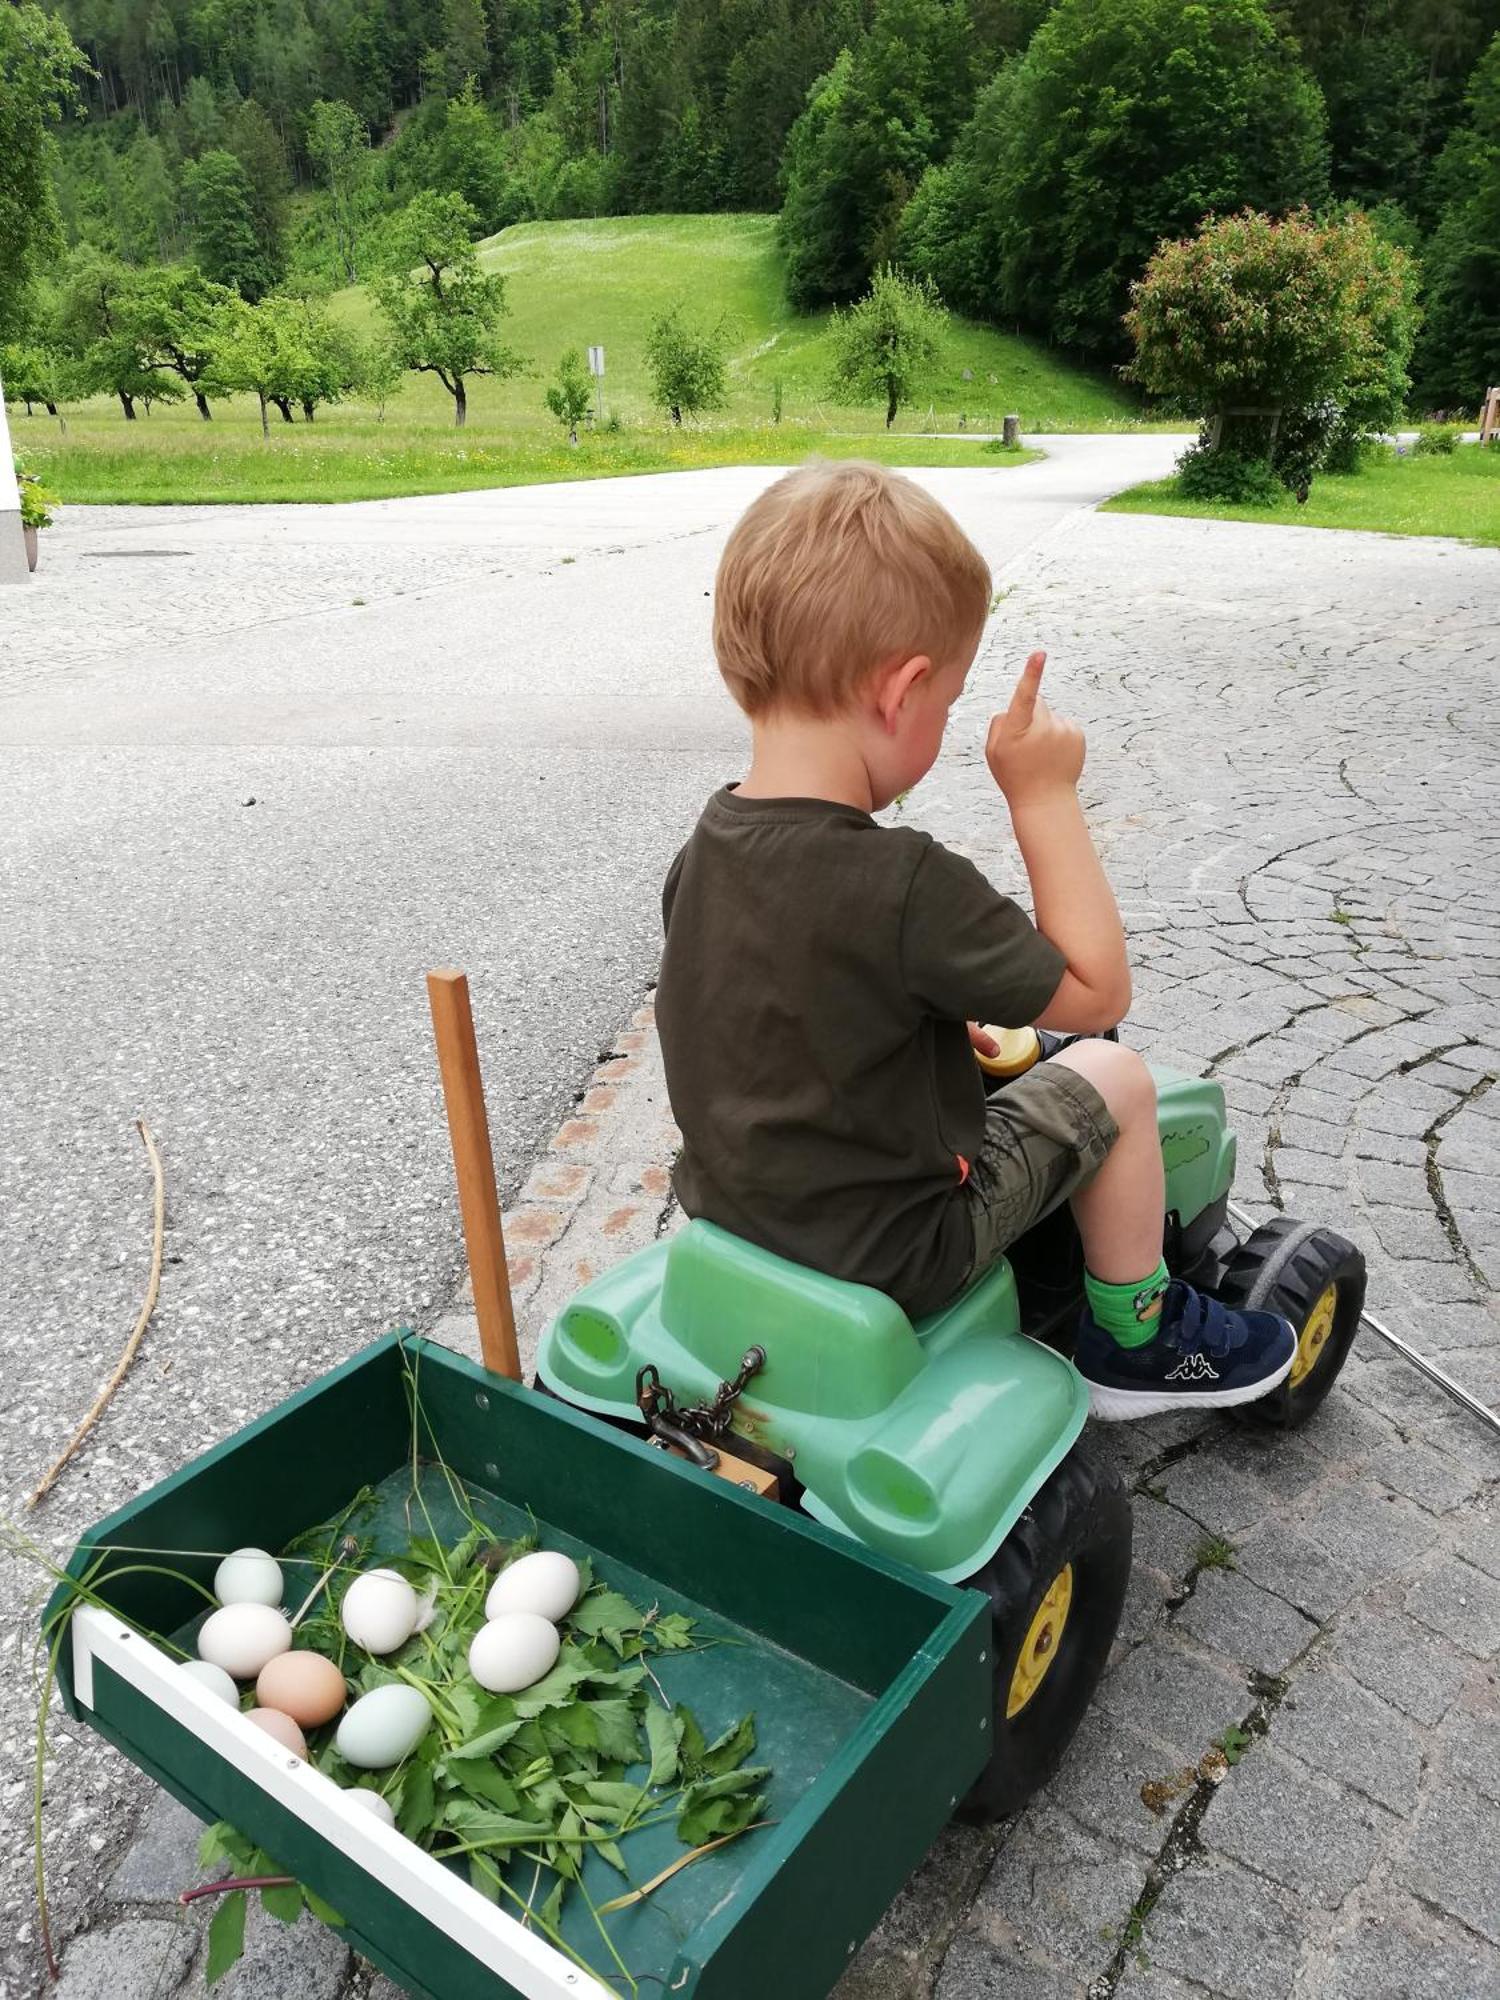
740	1472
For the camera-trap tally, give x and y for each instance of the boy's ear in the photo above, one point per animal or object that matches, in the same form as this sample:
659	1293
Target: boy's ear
898	684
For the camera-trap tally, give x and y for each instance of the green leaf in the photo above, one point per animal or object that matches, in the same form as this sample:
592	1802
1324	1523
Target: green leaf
608	1612
476	1822
220	1842
551	1911
673	1631
418	1802
731	1749
613	1856
483	1879
707	1819
664	1735
556	1687
619	1731
693	1745
285	1905
466	1705
226	1936
486	1744
482	1781
611	1798
575	1724
324	1912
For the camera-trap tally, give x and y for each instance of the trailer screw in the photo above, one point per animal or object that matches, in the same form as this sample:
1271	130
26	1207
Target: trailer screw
481	1399
492	1471
982	1658
984	1723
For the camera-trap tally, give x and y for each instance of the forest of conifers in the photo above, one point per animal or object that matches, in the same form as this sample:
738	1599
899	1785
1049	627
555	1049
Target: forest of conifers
1025	155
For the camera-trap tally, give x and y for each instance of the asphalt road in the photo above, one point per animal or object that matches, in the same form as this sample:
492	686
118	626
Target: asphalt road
263	767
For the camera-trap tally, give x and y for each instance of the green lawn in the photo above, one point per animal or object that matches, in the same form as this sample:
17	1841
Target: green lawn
580	284
173	456
1393	495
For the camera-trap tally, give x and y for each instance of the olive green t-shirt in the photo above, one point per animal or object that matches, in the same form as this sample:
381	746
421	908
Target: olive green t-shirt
818	976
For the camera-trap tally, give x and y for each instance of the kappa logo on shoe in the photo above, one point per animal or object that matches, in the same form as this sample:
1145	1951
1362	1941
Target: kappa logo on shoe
1193	1368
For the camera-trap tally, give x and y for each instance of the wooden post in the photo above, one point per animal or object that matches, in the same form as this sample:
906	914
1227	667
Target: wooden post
1010	430
1489	416
474	1168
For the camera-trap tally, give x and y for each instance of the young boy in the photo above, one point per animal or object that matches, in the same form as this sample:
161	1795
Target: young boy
823	974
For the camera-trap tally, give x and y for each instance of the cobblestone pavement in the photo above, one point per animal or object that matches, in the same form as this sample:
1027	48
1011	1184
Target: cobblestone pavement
1294	772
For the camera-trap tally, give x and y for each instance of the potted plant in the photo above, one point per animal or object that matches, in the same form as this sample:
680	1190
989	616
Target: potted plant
36	510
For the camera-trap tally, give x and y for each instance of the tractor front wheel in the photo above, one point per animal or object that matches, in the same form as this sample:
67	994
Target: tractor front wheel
1056	1588
1316	1279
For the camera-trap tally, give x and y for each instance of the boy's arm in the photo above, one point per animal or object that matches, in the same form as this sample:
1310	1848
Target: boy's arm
1036	758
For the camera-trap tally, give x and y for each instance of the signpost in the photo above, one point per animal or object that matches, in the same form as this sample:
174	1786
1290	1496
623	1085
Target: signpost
596	369
14	567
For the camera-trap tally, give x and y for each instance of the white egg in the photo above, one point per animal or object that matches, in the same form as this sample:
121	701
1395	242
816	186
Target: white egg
371	1802
379	1611
249	1576
240	1638
546	1582
383	1727
513	1650
214	1679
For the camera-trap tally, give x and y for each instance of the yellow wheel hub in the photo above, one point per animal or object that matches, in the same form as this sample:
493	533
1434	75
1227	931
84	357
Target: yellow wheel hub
1315	1331
1043	1637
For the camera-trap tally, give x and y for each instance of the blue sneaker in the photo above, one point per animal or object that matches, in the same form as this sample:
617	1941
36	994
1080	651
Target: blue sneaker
1202	1357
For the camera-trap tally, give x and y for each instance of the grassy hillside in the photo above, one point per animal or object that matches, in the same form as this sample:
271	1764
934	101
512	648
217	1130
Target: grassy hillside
573	284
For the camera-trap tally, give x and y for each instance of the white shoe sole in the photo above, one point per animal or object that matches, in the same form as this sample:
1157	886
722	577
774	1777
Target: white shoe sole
1121	1406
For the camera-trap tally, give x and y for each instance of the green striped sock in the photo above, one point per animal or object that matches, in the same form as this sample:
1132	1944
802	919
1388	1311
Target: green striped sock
1128	1313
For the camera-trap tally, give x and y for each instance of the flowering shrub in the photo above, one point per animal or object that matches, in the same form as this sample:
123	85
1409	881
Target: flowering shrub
1304	322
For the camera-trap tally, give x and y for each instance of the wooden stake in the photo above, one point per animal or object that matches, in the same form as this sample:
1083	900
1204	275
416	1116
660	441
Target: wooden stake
474	1169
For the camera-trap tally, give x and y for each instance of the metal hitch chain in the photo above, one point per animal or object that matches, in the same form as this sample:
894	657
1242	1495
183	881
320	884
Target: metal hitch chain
690	1429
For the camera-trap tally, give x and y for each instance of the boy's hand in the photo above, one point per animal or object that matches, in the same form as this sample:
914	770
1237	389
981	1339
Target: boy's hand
984	1043
1031	751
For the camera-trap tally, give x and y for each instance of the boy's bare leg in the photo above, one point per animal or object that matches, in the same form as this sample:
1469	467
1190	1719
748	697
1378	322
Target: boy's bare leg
1121	1211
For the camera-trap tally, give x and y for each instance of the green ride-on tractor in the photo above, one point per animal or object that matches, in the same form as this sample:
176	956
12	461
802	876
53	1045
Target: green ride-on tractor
950	1442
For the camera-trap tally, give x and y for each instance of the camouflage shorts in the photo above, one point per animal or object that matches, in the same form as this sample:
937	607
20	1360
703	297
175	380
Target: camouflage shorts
1045	1135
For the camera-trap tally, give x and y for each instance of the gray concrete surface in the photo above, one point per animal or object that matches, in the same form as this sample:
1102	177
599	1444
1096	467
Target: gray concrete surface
1293	773
265	766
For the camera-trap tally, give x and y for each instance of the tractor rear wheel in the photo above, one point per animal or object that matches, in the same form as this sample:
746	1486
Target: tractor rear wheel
1316	1279
1056	1587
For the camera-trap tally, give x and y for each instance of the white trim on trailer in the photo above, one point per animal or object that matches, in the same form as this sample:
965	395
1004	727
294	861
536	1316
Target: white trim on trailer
498	1942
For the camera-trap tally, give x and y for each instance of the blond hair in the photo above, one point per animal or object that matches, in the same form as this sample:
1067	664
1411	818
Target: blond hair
834	572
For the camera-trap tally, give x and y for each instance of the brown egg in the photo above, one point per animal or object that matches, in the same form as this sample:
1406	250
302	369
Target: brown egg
281	1728
304	1686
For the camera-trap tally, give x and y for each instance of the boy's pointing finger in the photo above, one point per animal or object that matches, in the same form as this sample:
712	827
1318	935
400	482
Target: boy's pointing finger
1023	701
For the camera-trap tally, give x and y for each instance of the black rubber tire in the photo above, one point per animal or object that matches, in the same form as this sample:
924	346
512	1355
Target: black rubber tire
1284	1267
1081	1515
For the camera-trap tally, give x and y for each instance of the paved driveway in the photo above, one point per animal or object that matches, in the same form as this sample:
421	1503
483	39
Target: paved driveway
472	729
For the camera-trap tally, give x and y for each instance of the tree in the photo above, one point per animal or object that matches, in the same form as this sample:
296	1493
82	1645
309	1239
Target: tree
339	142
570	396
260	349
99	326
227	243
443	311
686	365
39	65
28	370
174	318
872	126
1127	121
888	343
1459	356
1276	333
